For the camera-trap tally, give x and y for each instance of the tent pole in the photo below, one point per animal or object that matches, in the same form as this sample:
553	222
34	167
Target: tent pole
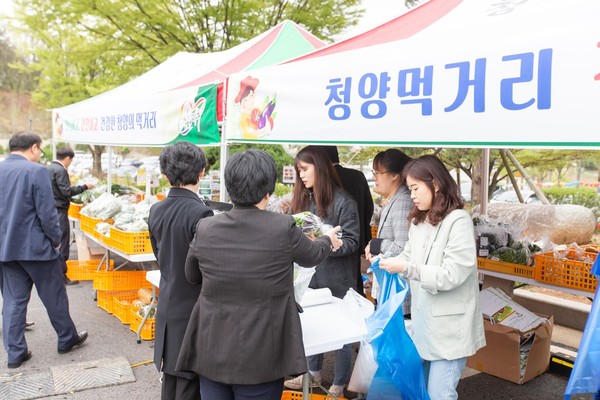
525	175
485	178
511	176
223	155
109	171
224	149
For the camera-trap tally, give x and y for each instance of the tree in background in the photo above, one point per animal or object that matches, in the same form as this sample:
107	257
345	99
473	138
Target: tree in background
13	76
281	157
83	48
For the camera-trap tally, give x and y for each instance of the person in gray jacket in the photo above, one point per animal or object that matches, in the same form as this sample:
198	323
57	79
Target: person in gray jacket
392	232
318	190
63	191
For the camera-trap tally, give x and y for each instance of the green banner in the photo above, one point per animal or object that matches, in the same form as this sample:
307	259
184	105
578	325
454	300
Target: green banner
198	119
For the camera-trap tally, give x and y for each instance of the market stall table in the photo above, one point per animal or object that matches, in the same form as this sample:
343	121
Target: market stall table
135	258
533	282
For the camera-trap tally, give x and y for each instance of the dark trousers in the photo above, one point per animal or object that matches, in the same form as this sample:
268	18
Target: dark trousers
65	239
18	278
212	390
179	388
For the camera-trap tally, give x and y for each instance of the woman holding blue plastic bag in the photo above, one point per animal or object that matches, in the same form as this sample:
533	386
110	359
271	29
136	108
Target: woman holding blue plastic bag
440	262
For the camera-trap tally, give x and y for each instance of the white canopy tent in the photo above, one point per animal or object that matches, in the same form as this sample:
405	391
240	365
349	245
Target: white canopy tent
463	73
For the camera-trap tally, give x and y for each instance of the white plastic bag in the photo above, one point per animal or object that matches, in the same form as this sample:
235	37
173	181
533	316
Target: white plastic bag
302	277
364	370
357	304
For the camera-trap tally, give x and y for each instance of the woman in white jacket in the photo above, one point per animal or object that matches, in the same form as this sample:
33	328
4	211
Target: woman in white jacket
440	261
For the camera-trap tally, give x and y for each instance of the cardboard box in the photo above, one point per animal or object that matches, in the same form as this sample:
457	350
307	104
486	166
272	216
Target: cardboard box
87	251
501	356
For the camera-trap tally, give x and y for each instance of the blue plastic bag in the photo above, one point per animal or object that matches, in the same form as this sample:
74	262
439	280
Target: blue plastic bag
400	370
585	377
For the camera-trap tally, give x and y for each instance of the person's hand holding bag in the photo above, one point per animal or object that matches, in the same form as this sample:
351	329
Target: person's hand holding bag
393	265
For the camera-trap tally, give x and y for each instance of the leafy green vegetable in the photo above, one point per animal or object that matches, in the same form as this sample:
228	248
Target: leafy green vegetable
505	254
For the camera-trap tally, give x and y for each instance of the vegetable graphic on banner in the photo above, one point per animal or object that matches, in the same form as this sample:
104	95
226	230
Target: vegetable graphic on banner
197	122
254	122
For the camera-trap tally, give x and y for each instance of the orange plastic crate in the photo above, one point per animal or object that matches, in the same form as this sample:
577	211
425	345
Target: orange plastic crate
84	270
120	280
88	225
506	268
130	242
122	306
291	395
74	210
566	272
148	330
105	298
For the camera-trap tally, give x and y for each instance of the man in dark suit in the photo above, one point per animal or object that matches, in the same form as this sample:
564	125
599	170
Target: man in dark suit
172	224
355	183
30	249
63	191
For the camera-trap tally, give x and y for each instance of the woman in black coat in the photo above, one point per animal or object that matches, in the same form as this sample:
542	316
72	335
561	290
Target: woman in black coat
244	335
172	224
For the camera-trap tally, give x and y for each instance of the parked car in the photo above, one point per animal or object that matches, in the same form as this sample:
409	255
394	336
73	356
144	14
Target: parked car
465	191
510	196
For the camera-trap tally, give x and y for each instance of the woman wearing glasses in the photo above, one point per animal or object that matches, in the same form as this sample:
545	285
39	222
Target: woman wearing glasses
392	233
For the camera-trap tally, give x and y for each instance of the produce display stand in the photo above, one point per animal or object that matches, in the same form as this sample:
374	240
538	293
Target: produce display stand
134	258
524	274
154	278
316	339
107	260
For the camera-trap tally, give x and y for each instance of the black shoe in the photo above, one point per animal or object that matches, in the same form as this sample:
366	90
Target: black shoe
81	336
17	364
69	282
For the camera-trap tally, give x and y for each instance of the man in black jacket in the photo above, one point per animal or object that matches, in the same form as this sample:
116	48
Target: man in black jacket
355	183
63	191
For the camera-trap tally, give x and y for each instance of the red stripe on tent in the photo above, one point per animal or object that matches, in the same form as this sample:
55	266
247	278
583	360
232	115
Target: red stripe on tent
399	28
310	38
238	63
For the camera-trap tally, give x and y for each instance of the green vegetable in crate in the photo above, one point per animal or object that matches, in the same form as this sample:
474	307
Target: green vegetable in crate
521	256
493	242
144	310
517	245
505	254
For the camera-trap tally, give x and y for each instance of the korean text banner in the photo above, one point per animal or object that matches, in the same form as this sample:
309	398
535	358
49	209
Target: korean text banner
162	118
488	73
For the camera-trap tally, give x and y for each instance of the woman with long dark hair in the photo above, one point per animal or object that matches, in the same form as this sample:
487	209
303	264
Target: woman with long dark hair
318	190
440	262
